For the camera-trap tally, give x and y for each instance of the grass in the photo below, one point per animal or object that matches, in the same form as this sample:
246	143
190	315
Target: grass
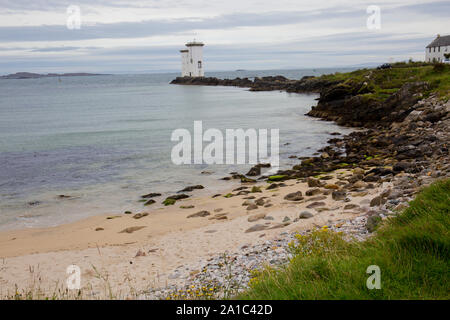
383	83
412	251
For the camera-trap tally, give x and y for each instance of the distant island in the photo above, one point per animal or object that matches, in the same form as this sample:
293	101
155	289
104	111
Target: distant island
30	75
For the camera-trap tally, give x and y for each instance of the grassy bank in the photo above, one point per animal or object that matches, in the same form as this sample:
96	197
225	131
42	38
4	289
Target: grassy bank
412	251
385	82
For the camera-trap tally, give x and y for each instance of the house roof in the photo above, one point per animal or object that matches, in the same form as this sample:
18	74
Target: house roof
440	41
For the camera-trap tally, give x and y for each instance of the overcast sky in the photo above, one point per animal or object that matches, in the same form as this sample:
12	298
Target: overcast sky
134	36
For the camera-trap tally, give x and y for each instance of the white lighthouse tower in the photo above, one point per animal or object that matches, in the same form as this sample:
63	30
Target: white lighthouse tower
192	60
184	63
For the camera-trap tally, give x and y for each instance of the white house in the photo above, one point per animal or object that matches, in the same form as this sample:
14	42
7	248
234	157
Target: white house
437	49
192	60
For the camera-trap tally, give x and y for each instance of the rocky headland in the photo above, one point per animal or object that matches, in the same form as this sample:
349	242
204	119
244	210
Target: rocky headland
401	147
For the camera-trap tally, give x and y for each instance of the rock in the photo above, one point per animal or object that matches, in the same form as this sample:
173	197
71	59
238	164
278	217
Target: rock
244	179
151	195
128	212
169	202
351	206
401	166
140	215
272	186
324	155
338	195
252	207
132	229
268	218
149	202
331	186
216	195
313	183
360	194
187	207
277	178
286	219
140	253
360	184
386	193
254	171
256	189
305	215
313	192
372	222
294	196
315	204
280	225
192	188
202	213
256	227
358	171
219	216
256	217
178	196
259	202
377	201
247	203
99	229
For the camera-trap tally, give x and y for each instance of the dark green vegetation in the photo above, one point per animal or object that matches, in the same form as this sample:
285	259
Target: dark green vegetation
412	251
383	83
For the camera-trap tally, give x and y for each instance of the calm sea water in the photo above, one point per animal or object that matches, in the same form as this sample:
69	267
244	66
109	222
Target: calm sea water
105	140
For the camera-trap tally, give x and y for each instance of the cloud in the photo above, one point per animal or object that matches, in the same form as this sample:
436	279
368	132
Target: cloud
247	35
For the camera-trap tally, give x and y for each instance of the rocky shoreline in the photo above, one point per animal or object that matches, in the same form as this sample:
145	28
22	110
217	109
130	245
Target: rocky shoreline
403	148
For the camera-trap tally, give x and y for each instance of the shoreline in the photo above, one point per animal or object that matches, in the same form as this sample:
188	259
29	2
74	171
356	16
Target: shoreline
159	247
365	177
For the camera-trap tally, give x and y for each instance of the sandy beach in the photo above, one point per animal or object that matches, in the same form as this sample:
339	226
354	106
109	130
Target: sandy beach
123	256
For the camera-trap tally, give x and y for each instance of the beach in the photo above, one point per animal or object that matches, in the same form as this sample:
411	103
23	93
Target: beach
350	186
38	258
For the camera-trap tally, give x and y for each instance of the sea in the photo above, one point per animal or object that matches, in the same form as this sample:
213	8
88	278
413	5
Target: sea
103	141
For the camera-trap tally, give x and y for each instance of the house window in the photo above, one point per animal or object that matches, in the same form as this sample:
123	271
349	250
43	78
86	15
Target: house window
439	49
199	64
434	50
192	61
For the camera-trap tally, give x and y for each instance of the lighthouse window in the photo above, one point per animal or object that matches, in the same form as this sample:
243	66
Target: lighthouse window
199	64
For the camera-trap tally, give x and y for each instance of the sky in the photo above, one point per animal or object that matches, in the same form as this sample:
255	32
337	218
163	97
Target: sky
135	36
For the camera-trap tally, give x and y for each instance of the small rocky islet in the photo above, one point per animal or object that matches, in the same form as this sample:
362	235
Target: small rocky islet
401	146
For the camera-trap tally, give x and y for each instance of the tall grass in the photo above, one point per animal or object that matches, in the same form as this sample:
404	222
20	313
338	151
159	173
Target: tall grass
387	81
412	251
